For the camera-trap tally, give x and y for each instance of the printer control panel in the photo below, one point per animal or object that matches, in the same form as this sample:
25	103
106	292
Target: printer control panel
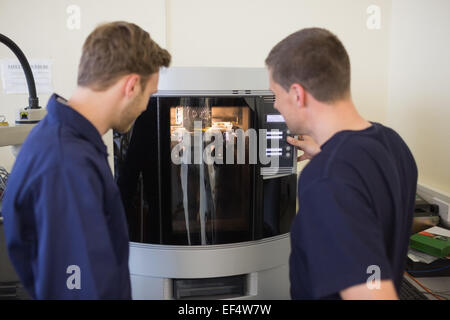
277	147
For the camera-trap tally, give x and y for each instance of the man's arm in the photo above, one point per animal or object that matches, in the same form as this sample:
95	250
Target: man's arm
339	234
386	291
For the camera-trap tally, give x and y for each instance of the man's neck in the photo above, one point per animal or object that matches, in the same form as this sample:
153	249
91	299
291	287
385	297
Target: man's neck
335	118
92	105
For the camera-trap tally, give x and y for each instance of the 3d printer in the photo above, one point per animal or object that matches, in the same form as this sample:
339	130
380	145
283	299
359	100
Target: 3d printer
209	187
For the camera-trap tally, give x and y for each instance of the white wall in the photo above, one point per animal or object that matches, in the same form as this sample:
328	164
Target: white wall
419	90
40	29
241	33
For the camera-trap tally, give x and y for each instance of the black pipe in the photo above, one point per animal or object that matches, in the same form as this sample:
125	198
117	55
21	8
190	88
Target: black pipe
33	100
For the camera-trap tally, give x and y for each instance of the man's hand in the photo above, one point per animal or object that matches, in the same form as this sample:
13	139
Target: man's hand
305	144
362	292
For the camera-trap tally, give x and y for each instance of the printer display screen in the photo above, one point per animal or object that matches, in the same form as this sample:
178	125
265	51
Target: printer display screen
277	118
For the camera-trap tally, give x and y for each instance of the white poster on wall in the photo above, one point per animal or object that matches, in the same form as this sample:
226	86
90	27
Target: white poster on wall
13	77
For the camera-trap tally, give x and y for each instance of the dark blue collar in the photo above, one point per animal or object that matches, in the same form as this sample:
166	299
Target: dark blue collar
64	114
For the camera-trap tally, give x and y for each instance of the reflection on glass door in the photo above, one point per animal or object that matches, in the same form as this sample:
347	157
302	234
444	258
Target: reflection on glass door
210	202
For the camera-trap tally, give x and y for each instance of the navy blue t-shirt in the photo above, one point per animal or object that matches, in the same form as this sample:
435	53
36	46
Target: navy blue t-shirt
356	201
64	221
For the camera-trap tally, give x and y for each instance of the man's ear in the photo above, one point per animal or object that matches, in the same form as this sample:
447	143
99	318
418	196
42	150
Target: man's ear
298	95
131	85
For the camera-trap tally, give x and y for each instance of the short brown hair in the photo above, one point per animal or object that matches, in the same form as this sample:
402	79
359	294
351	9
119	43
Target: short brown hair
116	49
315	59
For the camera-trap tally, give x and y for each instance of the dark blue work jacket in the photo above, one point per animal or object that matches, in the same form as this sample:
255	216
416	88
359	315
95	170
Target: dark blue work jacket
64	221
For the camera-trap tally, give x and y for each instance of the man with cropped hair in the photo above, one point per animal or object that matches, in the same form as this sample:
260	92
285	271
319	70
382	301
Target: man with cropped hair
64	221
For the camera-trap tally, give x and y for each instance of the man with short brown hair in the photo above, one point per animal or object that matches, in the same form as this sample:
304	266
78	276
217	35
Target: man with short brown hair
356	196
64	221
